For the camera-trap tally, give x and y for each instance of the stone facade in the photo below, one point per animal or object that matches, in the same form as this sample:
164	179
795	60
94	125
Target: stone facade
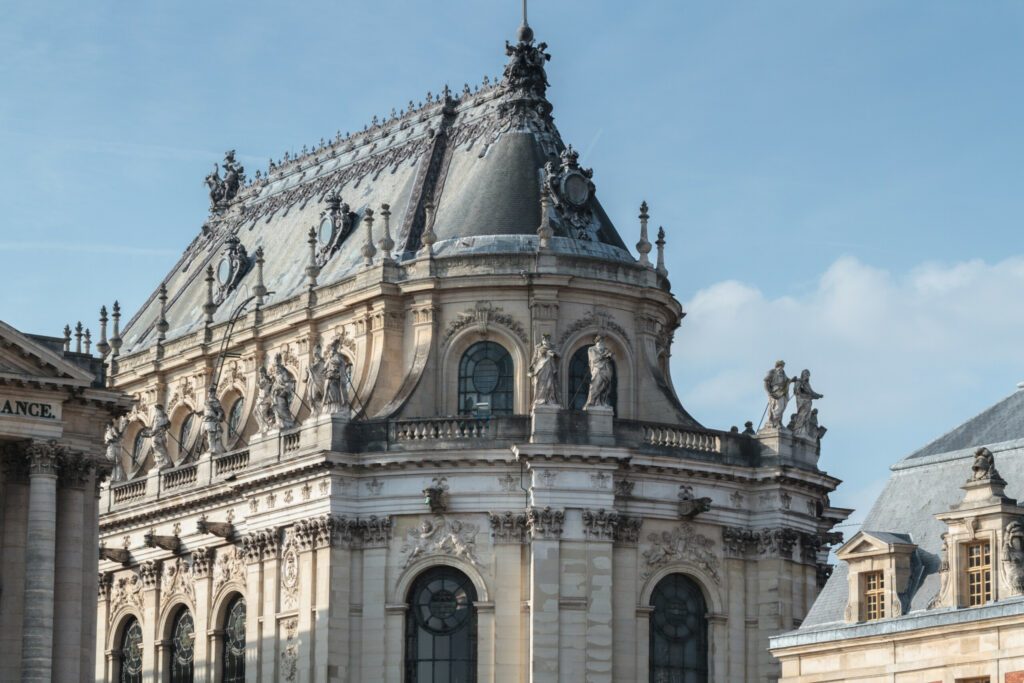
330	502
53	408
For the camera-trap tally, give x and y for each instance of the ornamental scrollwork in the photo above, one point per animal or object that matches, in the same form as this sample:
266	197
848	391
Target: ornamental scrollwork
440	536
177	582
483	315
597	320
508	527
682	544
545	523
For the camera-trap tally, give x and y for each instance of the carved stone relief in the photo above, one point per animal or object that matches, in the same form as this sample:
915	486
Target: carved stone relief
228	568
483	315
440	536
177	583
508	527
545	524
682	544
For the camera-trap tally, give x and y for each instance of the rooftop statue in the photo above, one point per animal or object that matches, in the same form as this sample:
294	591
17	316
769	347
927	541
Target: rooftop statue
112	439
776	384
804	395
984	466
223	190
600	357
335	395
161	424
213	416
544	373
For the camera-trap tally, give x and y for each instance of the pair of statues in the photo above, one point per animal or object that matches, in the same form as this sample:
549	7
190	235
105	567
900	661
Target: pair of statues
326	386
544	374
805	420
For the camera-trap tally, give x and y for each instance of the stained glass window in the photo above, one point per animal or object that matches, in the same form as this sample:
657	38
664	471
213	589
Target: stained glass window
440	628
678	632
485	377
235	418
234	642
183	639
579	380
131	653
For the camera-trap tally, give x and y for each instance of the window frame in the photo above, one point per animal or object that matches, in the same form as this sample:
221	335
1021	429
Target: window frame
982	572
441	639
505	385
228	659
666	652
122	676
873	597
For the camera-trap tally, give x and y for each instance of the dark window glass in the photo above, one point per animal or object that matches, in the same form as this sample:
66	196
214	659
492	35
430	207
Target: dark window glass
234	642
186	431
140	439
131	653
579	380
183	639
485	376
440	628
235	418
679	632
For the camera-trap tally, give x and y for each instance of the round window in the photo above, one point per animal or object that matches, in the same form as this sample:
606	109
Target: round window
224	271
326	231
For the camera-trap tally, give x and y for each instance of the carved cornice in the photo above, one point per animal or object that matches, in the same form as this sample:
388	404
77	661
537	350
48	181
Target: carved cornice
508	527
545	524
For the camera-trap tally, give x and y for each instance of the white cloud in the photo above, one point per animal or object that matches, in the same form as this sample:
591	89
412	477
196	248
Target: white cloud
901	358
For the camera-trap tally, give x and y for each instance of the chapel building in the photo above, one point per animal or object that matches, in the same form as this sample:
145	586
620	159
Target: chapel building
931	590
404	413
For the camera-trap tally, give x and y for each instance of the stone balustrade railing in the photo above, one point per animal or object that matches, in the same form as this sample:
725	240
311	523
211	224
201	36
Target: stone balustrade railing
230	462
676	437
179	478
128	491
440	429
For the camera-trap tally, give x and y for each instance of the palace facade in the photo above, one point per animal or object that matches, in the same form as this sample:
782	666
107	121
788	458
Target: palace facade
404	413
53	407
931	590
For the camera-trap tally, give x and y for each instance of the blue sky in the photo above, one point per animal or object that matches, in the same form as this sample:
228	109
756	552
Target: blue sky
840	181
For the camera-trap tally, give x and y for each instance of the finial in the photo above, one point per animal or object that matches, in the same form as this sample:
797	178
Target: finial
386	244
78	337
644	245
525	32
115	337
661	269
88	342
312	270
162	326
67	338
368	249
209	307
102	346
428	238
259	290
544	232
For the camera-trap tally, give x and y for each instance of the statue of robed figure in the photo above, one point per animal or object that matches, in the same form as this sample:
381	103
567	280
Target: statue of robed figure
544	373
601	375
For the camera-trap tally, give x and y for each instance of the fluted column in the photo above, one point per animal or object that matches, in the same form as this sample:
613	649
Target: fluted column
40	551
68	568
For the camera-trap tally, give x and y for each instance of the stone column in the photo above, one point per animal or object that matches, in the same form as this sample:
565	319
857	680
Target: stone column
599	611
15	504
67	599
90	561
374	635
254	654
544	611
40	559
508	600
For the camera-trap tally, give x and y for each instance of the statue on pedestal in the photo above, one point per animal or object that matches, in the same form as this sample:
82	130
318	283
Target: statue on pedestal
601	375
264	402
335	395
213	415
544	373
776	384
282	391
157	430
112	439
315	376
805	396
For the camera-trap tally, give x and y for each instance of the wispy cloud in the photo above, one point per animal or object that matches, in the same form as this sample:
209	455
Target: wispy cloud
85	248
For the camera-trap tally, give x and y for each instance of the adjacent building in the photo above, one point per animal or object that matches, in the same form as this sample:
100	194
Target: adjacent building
53	409
403	412
931	589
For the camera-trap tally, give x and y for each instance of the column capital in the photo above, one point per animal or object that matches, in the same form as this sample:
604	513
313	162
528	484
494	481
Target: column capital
74	470
44	458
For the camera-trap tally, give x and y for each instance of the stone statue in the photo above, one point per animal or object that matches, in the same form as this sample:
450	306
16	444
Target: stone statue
814	430
213	416
157	430
315	381
776	383
984	466
264	400
335	392
215	186
600	357
544	372
804	396
1013	557
112	439
282	391
223	190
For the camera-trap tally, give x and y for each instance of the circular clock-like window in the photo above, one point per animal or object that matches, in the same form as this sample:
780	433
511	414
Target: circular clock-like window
224	271
326	231
576	189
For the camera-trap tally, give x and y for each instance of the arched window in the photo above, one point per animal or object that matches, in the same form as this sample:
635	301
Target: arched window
440	628
131	653
579	380
485	377
234	642
183	638
184	436
679	632
137	446
235	423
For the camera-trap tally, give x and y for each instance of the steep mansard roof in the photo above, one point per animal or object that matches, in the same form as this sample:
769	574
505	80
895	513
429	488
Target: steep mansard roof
479	158
923	484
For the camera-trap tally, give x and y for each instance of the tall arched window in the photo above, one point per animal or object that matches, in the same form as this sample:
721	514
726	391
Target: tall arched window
131	653
137	446
440	628
235	418
679	632
234	642
579	380
183	639
485	377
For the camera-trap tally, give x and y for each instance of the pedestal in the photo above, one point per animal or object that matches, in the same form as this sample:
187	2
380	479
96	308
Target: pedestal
601	425
544	423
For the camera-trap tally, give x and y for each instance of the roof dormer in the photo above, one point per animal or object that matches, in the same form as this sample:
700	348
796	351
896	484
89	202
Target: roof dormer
879	571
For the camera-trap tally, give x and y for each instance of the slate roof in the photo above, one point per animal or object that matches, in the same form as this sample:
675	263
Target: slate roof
478	156
923	484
